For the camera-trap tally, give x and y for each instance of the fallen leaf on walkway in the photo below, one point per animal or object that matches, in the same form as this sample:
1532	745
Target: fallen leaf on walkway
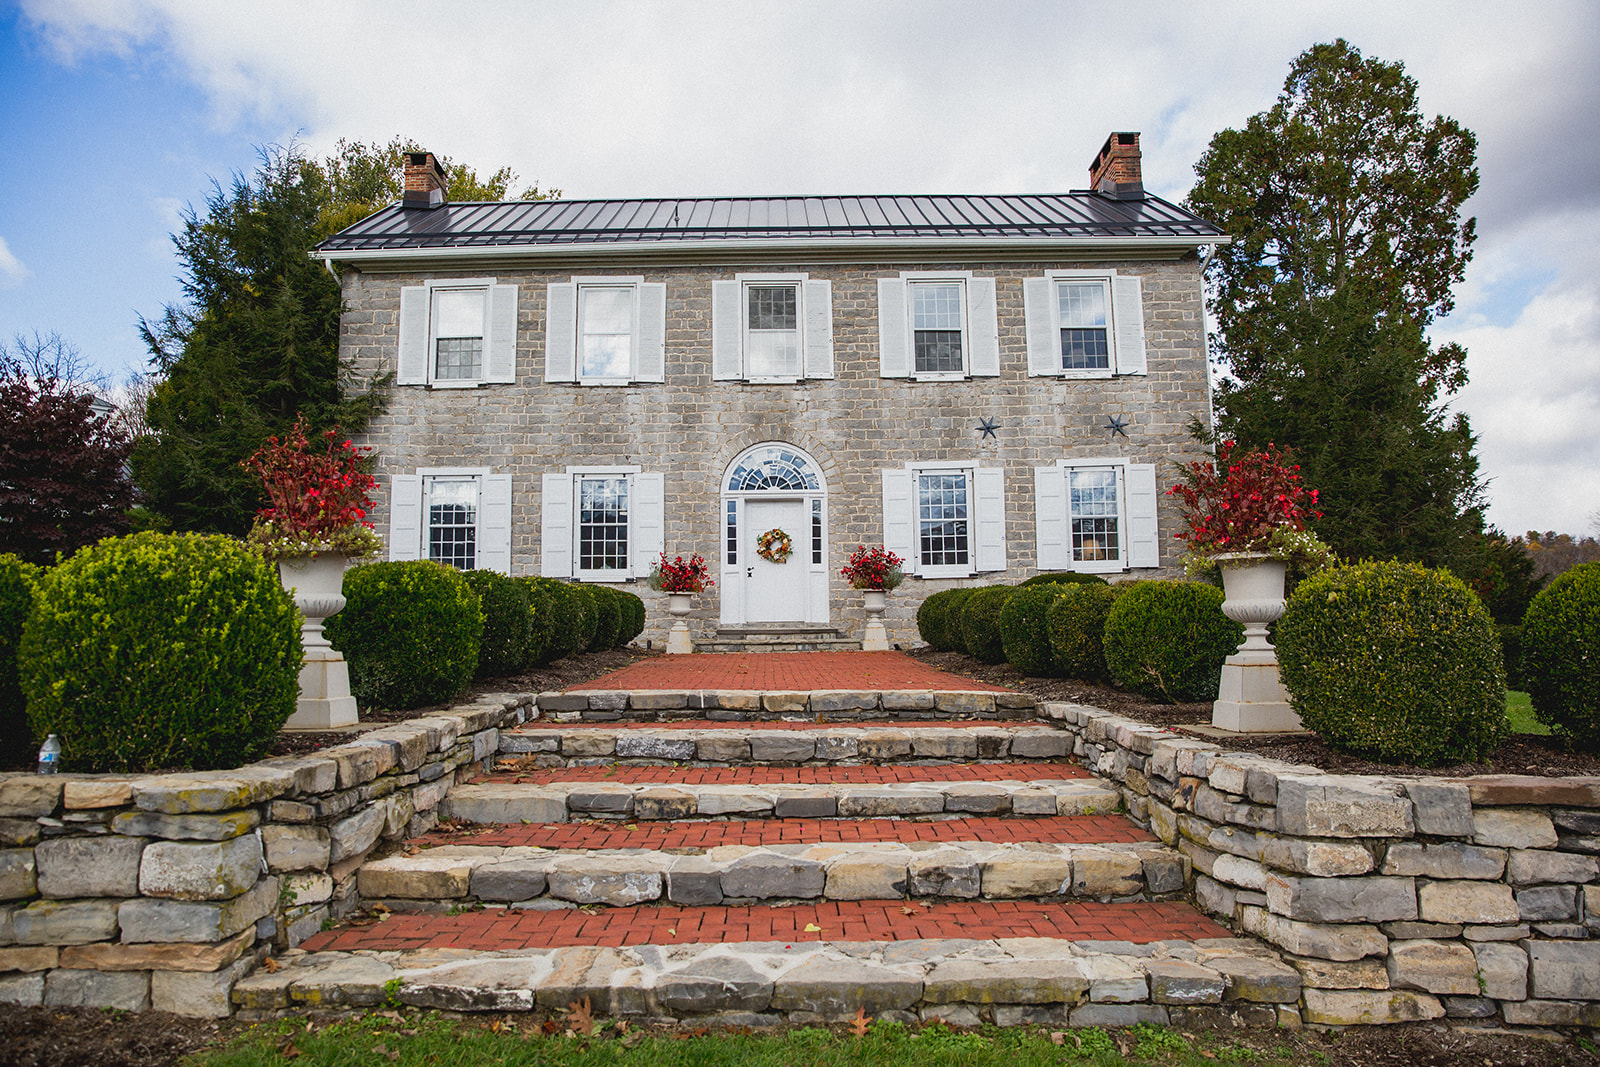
673	930
904	910
858	1025
580	1017
272	966
813	928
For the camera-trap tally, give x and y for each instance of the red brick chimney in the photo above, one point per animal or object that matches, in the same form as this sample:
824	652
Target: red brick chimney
425	181
1115	171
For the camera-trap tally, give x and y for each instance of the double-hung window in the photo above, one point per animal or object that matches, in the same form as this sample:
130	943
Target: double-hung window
458	516
601	524
457	333
1095	515
452	521
937	325
946	519
771	328
605	331
1084	324
602	530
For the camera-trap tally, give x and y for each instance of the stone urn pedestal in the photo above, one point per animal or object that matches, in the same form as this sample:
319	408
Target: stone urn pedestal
317	587
876	638
678	642
1250	698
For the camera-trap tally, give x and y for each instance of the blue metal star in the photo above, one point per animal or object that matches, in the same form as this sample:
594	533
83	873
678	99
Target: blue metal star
987	427
1117	425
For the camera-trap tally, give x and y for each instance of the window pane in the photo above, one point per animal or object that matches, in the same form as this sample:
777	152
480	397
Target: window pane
1095	515
733	532
772	307
938	350
602	524
1082	306
458	358
942	519
453	521
606	325
935	306
458	313
773	354
816	531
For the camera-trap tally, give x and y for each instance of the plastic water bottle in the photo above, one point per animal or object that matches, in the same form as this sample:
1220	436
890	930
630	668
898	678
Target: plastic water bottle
50	756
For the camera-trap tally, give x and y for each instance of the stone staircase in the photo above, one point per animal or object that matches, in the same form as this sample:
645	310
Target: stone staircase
778	638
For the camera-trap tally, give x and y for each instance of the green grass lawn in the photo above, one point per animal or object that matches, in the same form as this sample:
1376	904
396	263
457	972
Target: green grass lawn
1520	711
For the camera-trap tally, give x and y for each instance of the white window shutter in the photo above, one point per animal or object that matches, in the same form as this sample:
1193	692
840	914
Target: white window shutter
647	510
983	329
991	521
1127	320
500	334
555	527
405	516
411	362
1144	550
727	331
652	364
900	516
494	523
819	329
1050	519
894	338
561	333
1039	315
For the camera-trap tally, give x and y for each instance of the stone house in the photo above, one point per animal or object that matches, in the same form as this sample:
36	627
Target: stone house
991	386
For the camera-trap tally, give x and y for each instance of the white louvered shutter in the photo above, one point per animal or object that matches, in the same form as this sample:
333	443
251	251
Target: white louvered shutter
494	523
500	333
900	516
652	362
561	333
411	361
647	514
727	331
1039	315
1127	320
991	518
894	337
1144	549
405	516
555	527
983	329
819	329
1050	519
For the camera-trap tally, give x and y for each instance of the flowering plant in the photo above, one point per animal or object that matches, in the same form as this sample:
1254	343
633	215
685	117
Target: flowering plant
317	497
1258	505
680	576
875	568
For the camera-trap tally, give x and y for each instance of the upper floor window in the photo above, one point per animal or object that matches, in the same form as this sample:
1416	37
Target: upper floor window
771	328
457	333
1085	323
457	319
605	331
934	325
1084	311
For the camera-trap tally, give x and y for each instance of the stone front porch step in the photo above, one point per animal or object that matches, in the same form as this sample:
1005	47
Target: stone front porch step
747	874
817	705
778	638
712	744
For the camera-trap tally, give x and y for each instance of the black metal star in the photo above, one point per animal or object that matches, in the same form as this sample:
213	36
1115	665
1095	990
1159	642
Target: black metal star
1117	425
987	427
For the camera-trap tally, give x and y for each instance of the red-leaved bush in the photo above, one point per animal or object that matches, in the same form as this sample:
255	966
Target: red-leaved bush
873	568
1238	511
315	494
678	575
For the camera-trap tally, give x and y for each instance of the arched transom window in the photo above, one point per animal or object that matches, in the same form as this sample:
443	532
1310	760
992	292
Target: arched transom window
774	467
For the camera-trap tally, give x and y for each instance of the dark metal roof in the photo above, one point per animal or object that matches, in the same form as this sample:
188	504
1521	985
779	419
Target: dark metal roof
602	222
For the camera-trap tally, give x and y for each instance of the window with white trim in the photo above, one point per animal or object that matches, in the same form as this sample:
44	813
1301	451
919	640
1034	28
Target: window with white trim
452	521
1084	323
1083	315
935	325
457	333
601	524
1095	515
605	331
943	536
946	519
457	318
458	516
938	322
771	328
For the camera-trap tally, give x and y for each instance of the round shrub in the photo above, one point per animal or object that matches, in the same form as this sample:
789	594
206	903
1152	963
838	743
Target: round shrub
1561	655
1064	578
541	622
607	617
1025	628
1166	640
574	618
632	617
410	630
17	579
1396	661
980	622
507	619
157	651
933	618
1077	627
954	607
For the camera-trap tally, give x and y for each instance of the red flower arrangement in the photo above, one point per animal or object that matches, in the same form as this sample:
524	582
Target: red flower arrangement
317	497
874	568
1249	508
678	575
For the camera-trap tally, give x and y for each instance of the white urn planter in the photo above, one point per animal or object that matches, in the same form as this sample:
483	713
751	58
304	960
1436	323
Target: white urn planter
1250	697
678	606
317	585
876	638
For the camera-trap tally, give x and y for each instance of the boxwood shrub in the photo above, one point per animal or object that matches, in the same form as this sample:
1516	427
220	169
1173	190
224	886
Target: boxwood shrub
1025	628
541	622
17	578
1167	640
934	621
410	630
633	617
1561	655
980	622
507	620
575	618
607	617
1077	626
160	651
1064	578
1396	661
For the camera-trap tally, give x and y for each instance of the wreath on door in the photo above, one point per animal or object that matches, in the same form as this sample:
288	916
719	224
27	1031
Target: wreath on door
774	546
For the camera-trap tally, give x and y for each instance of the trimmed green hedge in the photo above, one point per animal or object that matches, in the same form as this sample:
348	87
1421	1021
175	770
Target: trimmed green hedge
1561	655
574	619
1167	640
1077	626
980	622
507	621
607	615
1396	661
1063	578
410	631
1025	628
17	579
160	651
935	623
633	617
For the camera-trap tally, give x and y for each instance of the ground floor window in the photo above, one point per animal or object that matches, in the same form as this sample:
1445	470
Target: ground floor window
453	521
600	524
1096	515
946	519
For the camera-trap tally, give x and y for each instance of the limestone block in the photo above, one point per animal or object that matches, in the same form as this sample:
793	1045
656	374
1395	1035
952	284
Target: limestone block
83	794
980	798
614	880
65	922
866	877
28	796
782	746
1237	871
19	833
124	990
219	827
1441	808
1466	902
1019	873
158	957
1504	969
152	919
1371	898
23	990
1041	743
428	876
296	848
1328	805
907	700
838	988
1119	1015
946	873
349	981
694	882
732	800
212	871
505	804
1180	982
1564	970
1100	873
945	744
1006	981
512	880
766	876
714	983
355	834
213	791
866	802
784	702
1513	828
1531	866
1345	941
881	745
1257	979
664	803
18	874
1164	872
1550	1013
964	703
1347	1007
1433	967
308	887
198	995
29	958
654	746
576	973
717	749
1320	858
1511	790
820	803
1449	859
397	813
1341	974
1033	802
1548	903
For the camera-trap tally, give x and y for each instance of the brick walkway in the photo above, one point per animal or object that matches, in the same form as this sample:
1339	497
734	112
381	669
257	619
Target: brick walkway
858	774
786	672
871	920
1069	830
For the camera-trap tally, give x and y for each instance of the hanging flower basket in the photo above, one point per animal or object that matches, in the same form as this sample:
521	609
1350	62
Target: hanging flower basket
774	546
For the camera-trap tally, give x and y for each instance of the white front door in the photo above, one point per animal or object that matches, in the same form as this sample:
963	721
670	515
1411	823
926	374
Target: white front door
775	592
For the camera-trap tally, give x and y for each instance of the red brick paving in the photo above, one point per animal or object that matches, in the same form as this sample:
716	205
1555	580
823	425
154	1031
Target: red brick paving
866	920
785	671
1070	830
856	774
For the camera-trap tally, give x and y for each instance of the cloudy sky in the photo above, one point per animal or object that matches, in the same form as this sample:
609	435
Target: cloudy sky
118	113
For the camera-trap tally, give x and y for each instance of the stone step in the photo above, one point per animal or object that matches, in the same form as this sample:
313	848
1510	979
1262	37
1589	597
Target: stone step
707	743
765	705
778	639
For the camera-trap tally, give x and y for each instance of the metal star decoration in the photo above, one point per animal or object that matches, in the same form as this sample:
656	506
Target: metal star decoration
987	427
1117	425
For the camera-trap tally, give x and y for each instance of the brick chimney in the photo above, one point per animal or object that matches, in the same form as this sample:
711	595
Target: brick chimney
1115	171
425	181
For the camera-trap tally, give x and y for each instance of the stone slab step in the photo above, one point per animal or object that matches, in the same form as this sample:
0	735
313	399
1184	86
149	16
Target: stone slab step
561	801
931	771
719	744
825	705
746	874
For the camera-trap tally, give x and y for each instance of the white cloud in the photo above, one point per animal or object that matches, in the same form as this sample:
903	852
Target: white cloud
13	272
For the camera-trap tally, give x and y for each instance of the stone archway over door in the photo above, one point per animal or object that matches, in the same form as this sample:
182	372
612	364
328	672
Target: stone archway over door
774	486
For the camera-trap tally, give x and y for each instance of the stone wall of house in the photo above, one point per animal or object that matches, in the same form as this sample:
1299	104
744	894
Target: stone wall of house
856	424
162	891
1395	898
